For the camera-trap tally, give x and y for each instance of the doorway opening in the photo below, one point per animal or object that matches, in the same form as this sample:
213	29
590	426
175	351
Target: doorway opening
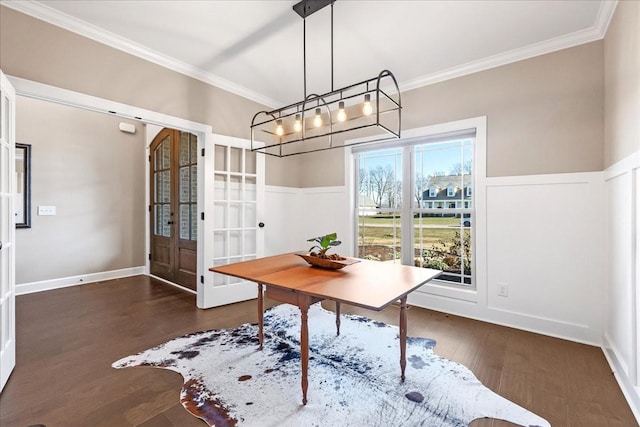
173	207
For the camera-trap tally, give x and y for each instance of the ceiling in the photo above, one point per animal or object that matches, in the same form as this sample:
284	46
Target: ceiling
255	48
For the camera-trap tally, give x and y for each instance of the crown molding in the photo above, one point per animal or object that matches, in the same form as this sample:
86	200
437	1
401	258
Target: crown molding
593	33
82	28
59	19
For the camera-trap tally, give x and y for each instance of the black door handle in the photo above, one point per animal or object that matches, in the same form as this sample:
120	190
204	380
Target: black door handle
261	225
0	244
170	222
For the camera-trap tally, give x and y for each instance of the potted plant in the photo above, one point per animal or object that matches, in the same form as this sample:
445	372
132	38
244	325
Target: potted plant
324	243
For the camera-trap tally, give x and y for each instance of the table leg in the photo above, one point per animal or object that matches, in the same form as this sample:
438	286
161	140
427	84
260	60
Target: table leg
260	315
403	335
337	318
304	345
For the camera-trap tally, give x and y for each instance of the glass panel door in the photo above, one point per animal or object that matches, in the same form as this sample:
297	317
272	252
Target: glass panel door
174	200
235	208
7	230
234	194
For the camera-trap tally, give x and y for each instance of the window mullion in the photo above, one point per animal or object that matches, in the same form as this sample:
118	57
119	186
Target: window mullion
408	184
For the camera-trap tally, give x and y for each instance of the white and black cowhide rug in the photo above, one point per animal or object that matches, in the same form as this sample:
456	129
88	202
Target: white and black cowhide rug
354	378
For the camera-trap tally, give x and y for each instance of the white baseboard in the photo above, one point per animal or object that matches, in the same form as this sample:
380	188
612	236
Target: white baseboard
469	309
64	282
631	393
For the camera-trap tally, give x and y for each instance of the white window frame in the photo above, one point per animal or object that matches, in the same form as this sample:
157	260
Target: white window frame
446	130
451	191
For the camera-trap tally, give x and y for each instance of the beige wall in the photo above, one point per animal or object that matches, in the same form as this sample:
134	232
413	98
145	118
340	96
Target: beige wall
544	115
622	82
95	176
41	52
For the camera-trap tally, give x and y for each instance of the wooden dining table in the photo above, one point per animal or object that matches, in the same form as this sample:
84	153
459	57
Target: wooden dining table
371	285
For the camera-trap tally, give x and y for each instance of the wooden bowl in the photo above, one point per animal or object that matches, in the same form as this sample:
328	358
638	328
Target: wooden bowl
330	264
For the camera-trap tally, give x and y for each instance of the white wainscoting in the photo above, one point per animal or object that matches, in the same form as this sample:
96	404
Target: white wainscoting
81	279
294	215
542	236
622	282
281	220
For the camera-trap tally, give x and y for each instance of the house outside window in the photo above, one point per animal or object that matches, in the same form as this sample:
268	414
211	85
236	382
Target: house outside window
436	237
468	193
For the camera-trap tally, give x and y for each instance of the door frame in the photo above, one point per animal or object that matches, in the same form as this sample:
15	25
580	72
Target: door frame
151	136
44	92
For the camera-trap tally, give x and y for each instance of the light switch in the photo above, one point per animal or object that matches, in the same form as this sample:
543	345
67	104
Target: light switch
46	210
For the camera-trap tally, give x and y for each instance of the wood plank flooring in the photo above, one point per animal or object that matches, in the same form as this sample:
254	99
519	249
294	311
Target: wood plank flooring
68	338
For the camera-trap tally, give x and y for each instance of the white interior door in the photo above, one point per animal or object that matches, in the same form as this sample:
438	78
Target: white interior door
233	227
7	230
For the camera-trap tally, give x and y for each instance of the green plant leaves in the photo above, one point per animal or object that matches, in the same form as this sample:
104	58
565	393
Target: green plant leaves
325	242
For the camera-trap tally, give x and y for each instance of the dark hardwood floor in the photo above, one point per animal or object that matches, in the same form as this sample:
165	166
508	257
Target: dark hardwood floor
68	338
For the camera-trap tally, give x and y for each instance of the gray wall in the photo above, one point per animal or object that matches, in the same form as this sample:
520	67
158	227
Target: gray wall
95	176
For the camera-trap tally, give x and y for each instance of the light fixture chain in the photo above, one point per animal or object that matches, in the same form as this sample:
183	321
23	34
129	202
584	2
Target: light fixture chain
331	47
304	54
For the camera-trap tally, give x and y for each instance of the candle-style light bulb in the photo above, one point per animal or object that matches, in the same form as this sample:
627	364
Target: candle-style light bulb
367	109
317	120
342	115
297	125
279	129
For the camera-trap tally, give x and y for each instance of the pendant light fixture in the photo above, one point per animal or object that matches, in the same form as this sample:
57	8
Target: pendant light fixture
339	118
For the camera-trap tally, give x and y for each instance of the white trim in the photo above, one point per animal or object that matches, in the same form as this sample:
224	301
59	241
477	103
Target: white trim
605	14
630	392
338	189
459	128
78	26
280	189
32	89
70	98
587	35
63	20
81	279
627	371
546	179
623	166
538	325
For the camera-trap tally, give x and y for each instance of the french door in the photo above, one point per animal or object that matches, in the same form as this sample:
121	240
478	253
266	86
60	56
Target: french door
234	231
7	230
174	199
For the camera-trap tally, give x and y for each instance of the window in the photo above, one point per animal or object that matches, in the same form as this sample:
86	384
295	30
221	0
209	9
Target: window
439	233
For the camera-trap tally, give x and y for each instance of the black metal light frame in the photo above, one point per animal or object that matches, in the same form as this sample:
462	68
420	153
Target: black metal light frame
380	89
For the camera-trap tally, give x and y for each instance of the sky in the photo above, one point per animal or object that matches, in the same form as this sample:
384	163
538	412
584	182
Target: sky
431	158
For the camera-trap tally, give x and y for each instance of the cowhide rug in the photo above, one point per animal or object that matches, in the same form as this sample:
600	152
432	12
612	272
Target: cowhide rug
354	378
